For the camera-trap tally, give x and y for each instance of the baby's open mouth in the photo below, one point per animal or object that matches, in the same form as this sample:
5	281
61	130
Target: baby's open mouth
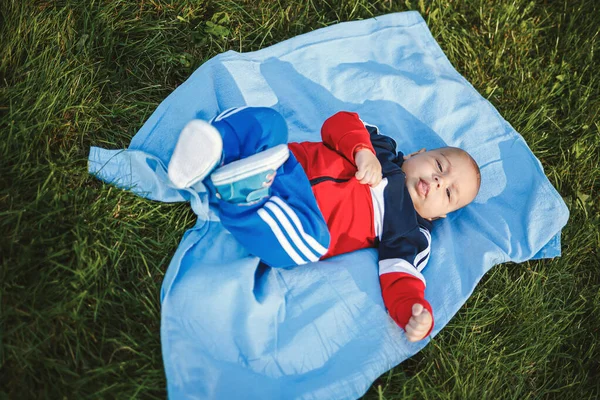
423	187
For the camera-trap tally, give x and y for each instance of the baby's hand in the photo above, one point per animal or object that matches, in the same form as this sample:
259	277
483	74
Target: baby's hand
369	167
419	324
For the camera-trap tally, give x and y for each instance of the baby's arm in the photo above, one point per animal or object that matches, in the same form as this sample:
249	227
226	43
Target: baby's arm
345	133
404	298
402	256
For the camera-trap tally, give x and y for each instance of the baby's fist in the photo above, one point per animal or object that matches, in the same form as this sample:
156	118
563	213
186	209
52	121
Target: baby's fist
419	324
368	166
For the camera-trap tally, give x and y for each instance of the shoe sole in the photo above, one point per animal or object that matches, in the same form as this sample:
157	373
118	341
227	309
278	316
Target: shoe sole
198	151
269	159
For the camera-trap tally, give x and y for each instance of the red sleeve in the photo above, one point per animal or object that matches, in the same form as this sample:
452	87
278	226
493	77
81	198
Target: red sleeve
400	291
345	133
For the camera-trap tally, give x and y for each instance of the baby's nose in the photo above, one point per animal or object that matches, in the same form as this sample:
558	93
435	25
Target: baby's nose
438	180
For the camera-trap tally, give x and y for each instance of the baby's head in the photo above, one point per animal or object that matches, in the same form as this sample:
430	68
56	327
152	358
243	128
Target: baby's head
441	181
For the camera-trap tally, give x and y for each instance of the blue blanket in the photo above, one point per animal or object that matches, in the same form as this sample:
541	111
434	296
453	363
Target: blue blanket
231	329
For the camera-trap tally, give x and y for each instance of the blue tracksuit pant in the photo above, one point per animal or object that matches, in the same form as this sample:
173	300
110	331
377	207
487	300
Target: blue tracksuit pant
286	228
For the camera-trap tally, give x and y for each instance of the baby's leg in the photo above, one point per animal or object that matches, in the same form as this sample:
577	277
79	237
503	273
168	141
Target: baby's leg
285	227
276	218
232	135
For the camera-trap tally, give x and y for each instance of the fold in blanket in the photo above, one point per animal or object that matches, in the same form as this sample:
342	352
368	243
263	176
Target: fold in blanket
231	329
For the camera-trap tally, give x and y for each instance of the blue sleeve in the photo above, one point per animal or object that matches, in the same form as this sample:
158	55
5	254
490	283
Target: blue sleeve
413	248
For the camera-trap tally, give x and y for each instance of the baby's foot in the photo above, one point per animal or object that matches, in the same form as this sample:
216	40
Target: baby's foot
419	324
249	179
197	153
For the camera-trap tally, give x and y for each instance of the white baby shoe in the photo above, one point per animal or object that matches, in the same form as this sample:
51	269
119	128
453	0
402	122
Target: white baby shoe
197	153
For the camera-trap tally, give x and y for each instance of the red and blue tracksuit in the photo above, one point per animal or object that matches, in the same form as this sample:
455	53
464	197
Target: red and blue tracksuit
317	209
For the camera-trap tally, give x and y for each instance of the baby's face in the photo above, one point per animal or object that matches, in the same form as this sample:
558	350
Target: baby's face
440	181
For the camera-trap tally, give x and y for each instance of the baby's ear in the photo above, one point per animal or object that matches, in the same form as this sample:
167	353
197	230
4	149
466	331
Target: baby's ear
414	154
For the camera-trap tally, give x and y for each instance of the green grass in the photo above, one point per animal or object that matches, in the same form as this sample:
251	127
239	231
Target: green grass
82	262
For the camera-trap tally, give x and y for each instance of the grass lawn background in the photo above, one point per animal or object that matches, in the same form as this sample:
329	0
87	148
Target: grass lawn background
81	262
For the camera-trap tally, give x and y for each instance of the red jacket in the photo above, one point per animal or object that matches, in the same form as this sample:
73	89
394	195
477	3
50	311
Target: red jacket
347	205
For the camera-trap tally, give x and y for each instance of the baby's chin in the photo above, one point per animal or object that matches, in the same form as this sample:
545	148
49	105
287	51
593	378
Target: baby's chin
424	213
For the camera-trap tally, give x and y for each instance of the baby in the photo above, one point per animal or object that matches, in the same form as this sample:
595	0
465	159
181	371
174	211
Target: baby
290	204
